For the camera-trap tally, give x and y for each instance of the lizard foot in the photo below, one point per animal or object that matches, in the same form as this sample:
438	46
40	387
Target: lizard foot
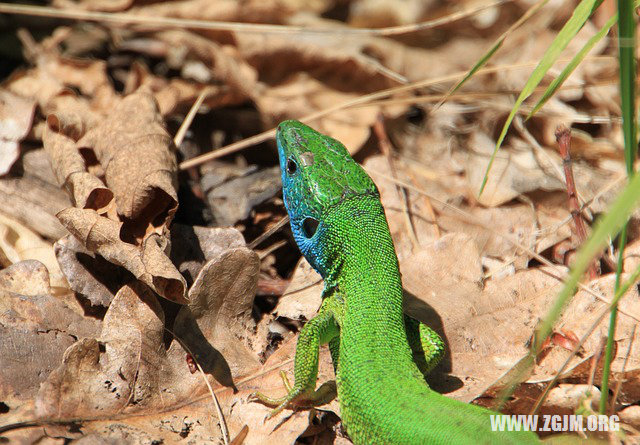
297	397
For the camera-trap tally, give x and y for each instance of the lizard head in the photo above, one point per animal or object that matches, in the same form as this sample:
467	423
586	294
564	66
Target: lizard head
317	173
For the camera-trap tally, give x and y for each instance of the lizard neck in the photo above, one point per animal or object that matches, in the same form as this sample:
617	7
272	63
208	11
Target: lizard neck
360	259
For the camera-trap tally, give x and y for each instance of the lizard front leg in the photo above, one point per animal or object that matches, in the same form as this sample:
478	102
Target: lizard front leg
319	330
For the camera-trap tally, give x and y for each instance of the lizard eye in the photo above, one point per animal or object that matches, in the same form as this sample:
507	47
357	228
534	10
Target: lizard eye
309	227
291	166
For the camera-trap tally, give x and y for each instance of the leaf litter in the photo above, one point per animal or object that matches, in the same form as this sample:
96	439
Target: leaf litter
114	277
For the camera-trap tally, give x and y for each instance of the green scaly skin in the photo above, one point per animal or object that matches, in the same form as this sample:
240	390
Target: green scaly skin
379	354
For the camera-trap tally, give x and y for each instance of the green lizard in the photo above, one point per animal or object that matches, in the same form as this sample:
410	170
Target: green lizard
378	353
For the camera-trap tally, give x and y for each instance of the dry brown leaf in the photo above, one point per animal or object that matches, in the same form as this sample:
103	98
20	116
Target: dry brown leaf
36	328
180	94
142	184
339	63
16	115
417	63
98	280
88	76
89	275
497	321
174	95
445	281
138	159
523	46
147	263
220	304
86	385
632	256
581	313
53	73
197	245
630	415
513	172
564	398
61	133
233	199
35	84
128	369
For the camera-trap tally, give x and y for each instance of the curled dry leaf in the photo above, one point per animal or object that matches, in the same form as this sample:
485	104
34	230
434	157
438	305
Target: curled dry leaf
34	203
54	73
60	135
148	263
87	385
175	94
89	275
98	280
138	159
89	76
16	114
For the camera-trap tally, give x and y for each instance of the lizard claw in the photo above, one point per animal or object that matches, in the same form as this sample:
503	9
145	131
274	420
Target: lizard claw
280	403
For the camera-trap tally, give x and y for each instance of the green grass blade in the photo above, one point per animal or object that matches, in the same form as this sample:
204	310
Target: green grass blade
626	61
482	62
627	38
571	66
566	72
577	20
487	56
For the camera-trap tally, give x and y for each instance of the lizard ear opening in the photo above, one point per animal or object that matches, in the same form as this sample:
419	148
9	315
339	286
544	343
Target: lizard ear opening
309	227
291	166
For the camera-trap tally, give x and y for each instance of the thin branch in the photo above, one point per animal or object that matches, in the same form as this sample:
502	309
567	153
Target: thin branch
119	18
563	136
